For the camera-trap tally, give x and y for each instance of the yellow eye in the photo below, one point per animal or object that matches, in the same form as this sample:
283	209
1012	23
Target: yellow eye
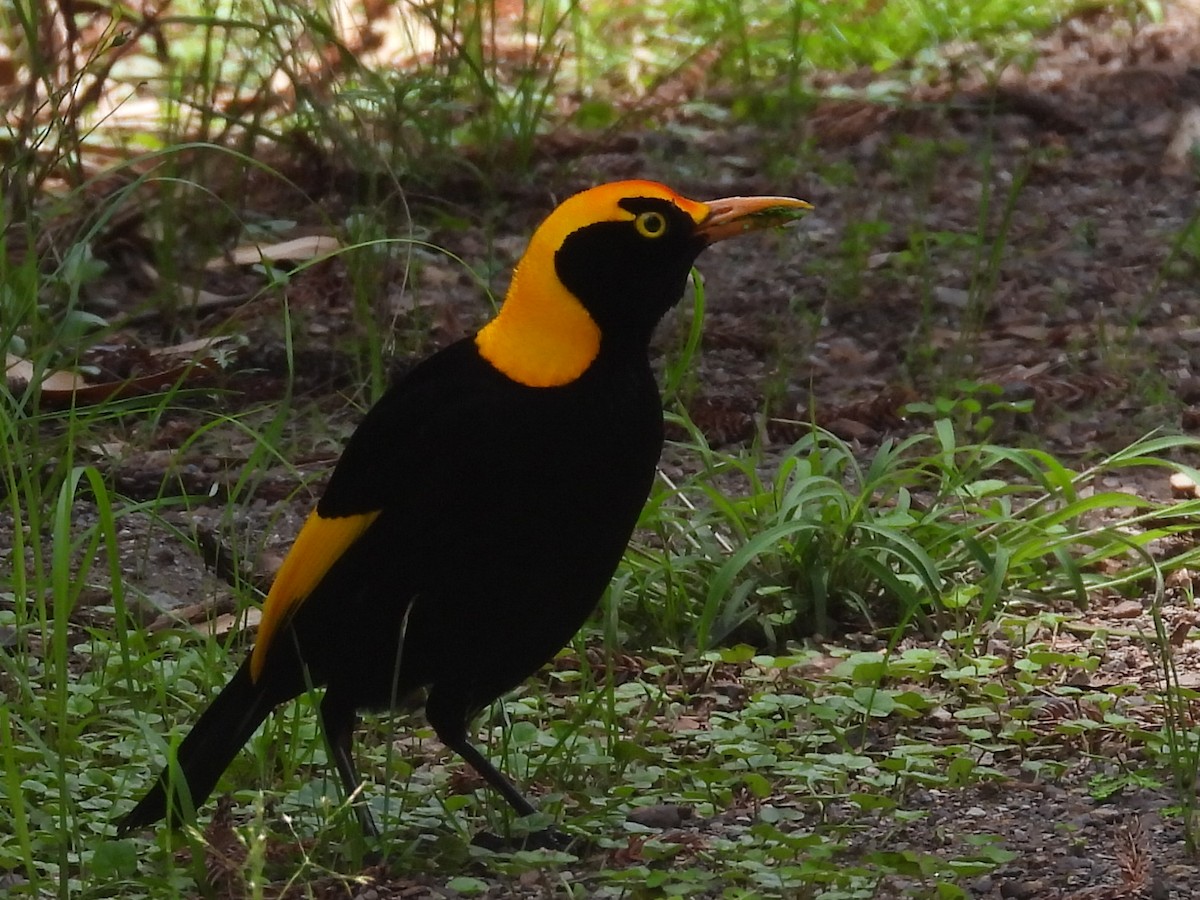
650	224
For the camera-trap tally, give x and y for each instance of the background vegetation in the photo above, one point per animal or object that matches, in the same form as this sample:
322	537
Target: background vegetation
139	140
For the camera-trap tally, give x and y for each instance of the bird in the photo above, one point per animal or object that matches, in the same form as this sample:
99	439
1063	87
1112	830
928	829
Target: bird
481	506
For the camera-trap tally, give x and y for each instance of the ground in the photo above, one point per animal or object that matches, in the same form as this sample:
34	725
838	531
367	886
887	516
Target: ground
1038	235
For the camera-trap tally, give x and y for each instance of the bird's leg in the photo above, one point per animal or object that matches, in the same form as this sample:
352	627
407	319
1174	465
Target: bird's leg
547	839
338	720
448	712
491	775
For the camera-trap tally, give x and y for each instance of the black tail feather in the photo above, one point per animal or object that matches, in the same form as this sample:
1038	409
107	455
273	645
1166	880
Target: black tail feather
205	753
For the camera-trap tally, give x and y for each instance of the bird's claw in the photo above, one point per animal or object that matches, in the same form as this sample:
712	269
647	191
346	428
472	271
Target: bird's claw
543	839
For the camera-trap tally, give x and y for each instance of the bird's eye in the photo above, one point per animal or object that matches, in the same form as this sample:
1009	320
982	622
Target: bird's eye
650	224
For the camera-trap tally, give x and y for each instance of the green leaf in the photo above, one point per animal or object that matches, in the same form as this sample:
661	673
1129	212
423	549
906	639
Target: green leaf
114	859
468	885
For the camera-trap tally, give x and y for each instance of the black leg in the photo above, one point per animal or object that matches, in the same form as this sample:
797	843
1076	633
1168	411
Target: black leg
492	775
448	712
338	720
448	715
548	839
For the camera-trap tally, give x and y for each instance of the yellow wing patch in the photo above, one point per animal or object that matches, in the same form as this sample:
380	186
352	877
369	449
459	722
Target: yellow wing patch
319	545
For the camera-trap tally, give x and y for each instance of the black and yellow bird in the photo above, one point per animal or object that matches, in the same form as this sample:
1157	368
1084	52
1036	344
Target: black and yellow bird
482	505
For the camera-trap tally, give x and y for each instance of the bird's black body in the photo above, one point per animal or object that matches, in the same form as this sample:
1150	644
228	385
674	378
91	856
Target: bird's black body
479	549
500	511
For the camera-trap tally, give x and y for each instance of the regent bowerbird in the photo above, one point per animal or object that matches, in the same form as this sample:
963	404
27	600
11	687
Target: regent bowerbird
482	505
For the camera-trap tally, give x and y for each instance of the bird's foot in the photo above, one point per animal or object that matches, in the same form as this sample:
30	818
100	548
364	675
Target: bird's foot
543	839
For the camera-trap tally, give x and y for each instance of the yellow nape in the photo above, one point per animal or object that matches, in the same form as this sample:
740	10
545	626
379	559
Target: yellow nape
319	545
543	336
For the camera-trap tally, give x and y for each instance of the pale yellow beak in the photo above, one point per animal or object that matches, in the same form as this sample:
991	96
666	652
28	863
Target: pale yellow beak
732	216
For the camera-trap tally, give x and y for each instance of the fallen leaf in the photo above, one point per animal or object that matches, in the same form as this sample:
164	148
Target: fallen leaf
300	248
1127	609
183	362
661	815
1182	487
20	372
1178	157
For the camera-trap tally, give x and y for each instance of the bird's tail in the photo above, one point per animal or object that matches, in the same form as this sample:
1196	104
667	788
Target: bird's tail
205	753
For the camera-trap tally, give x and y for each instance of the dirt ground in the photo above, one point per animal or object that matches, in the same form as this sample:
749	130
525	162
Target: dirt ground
1026	235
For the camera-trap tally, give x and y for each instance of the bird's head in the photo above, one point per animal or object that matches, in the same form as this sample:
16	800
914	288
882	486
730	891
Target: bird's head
606	265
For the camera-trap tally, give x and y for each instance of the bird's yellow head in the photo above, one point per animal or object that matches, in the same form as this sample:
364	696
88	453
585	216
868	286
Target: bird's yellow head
603	267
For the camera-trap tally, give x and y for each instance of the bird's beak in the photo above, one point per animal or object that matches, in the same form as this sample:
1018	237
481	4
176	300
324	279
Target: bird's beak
738	215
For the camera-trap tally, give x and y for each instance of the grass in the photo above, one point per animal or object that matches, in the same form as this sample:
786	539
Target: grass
696	685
